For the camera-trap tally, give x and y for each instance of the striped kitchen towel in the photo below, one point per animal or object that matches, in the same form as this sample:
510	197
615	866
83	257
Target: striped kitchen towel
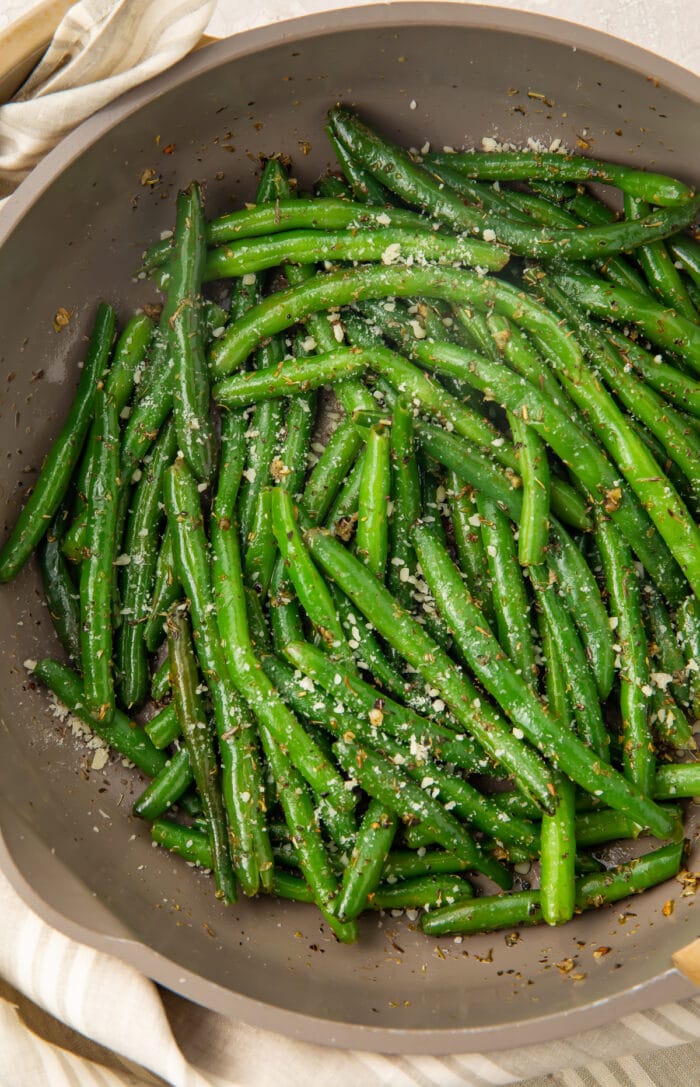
84	1019
101	49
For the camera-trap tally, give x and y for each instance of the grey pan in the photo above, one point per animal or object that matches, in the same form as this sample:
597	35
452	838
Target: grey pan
73	234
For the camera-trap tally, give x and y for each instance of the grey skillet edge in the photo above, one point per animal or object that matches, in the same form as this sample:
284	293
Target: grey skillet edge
665	987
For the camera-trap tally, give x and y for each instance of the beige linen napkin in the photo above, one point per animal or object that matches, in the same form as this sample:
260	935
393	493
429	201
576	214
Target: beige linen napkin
101	49
73	1016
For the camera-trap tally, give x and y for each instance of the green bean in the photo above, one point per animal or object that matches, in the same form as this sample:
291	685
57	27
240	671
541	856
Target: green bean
167	787
190	378
408	638
188	842
686	251
571	658
677	780
277	216
579	453
125	736
123	374
137	577
331	470
364	869
200	747
62	597
552	166
419	186
662	326
508	592
502	681
659	270
388	245
625	600
342	516
426	892
160	681
294	375
387	784
50	486
330	185
671	727
466	528
96	571
533	530
299	422
251	681
557	858
166	591
235	729
665	648
524	908
405	494
262	439
313	593
293	795
261	549
679	388
688	627
405	864
259	631
411	753
375	492
471	466
164	728
522	357
364	187
579	589
285	612
285	308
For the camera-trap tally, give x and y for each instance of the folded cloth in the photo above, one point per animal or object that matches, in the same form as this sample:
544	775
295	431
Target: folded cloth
136	1029
73	1016
101	49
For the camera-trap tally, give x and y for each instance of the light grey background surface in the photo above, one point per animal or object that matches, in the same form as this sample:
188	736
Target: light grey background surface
668	27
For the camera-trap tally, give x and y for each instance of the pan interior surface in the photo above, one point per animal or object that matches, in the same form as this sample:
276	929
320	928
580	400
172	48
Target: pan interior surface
422	73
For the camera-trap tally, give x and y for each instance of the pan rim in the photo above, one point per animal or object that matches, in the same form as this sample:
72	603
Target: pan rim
667	986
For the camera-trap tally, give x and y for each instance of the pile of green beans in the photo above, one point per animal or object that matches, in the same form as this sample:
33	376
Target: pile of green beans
387	645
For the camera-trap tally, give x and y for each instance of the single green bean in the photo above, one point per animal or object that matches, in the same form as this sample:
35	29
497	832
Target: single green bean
372	539
552	166
164	728
62	597
50	486
659	270
96	571
190	377
166	591
508	591
533	530
367	860
524	908
167	787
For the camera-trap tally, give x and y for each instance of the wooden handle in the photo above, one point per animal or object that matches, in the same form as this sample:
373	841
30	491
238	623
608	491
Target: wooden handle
687	960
